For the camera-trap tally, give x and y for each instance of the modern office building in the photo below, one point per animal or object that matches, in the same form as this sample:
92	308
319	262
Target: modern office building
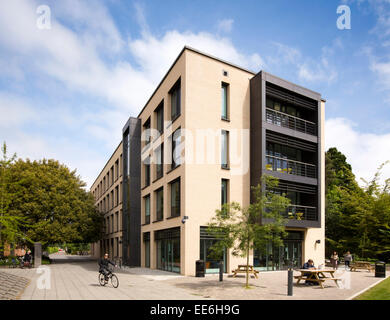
107	191
208	133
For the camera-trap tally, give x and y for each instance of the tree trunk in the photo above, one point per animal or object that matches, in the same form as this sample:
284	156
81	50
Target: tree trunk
247	267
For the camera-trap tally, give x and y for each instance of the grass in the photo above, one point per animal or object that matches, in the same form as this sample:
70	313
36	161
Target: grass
380	292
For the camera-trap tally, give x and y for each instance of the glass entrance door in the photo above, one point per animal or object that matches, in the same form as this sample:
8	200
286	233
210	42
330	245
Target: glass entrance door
274	258
168	255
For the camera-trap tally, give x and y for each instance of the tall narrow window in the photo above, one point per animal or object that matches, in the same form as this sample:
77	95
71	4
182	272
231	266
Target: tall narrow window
159	154
160	117
147	133
147	209
175	198
175	100
224	191
160	204
224	93
147	171
225	149
176	149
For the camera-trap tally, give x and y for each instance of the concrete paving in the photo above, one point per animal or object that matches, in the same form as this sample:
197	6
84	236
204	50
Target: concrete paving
11	286
77	278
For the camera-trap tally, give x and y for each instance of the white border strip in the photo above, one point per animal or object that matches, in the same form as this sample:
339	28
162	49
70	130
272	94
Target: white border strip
368	288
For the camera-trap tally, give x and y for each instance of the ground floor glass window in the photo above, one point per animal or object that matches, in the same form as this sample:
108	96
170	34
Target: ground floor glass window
280	258
168	249
211	262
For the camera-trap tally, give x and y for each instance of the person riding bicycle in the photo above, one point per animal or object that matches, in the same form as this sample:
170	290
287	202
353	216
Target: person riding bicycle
103	266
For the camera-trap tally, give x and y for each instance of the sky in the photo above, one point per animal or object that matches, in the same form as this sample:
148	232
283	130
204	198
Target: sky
69	83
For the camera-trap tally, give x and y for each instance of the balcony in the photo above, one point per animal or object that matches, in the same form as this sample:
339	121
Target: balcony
285	120
290	167
295	212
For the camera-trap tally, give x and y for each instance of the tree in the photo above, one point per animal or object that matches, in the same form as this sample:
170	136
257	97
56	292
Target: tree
10	225
52	201
243	229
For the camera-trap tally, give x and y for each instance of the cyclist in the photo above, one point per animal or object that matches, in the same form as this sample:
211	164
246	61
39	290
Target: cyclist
103	266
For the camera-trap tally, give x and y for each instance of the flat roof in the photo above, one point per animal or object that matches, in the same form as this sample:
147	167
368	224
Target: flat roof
201	53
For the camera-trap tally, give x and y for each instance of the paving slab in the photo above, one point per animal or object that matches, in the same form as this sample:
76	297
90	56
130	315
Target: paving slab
77	279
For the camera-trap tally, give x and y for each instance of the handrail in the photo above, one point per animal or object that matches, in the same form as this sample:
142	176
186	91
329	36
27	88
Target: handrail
292	167
289	115
292	122
289	160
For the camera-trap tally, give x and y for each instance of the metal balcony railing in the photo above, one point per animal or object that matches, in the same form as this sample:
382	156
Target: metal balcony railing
282	119
290	167
295	212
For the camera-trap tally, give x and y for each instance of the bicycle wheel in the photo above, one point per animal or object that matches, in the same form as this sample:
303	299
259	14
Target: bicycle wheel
114	281
101	279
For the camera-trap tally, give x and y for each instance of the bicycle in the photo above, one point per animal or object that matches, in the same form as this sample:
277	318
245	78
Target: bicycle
110	276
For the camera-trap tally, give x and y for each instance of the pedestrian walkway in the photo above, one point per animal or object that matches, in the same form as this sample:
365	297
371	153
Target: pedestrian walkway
70	279
11	286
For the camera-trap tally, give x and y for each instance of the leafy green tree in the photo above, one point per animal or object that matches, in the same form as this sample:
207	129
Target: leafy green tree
10	225
53	202
243	229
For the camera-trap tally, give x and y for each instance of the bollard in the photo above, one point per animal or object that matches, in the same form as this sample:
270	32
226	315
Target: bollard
221	271
290	282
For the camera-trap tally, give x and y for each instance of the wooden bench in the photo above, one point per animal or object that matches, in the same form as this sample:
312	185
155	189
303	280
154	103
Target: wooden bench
243	269
362	265
316	275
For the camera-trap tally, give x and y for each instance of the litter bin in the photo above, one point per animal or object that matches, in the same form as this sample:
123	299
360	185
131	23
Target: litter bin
200	268
380	269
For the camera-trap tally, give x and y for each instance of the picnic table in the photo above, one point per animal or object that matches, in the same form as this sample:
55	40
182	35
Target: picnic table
242	268
317	275
362	265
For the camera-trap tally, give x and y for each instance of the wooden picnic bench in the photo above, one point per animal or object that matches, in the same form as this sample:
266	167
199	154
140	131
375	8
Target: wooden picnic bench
317	275
242	268
362	265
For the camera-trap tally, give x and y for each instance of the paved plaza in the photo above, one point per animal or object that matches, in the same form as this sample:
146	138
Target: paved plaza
77	278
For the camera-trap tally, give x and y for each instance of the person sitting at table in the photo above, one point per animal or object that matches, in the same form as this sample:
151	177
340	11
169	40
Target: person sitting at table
309	265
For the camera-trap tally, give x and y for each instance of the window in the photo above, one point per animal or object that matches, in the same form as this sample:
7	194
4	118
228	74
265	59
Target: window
224	93
175	100
147	249
116	195
175	198
117	222
176	149
160	204
116	169
160	117
159	154
147	134
147	209
147	171
224	191
225	149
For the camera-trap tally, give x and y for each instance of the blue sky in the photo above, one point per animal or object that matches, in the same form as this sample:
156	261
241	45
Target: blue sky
66	92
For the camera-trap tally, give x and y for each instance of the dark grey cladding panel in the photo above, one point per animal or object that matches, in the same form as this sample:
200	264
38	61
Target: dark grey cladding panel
291	86
132	193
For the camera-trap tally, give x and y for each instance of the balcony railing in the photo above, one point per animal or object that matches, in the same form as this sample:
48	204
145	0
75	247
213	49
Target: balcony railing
290	167
295	212
282	119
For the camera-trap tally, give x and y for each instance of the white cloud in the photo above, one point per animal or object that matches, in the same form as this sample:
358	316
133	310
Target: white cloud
364	151
94	59
15	111
307	69
225	25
